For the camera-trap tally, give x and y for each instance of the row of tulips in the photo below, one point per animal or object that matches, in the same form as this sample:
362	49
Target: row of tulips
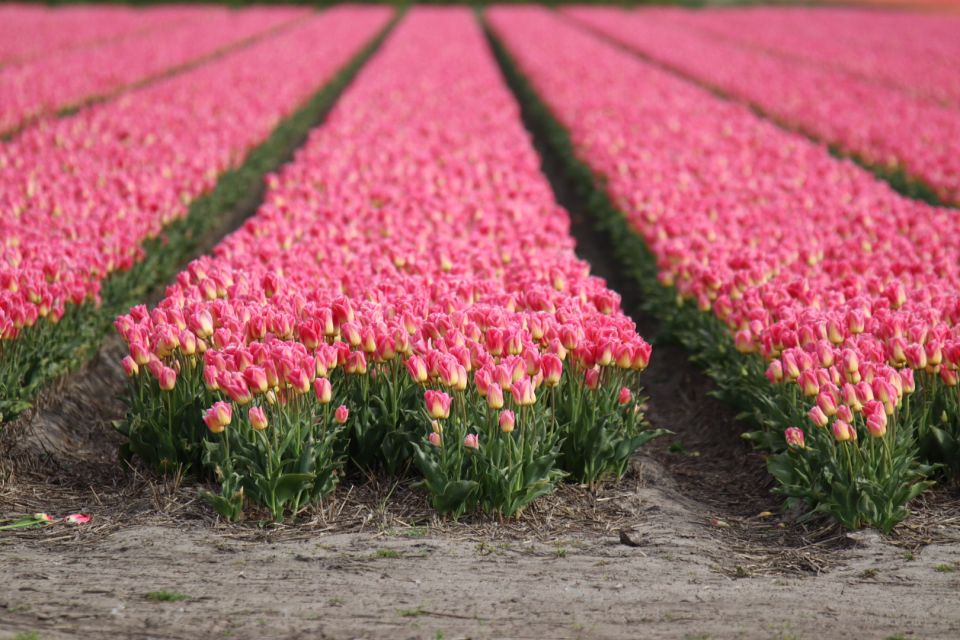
915	52
70	78
774	259
407	294
31	31
914	141
80	197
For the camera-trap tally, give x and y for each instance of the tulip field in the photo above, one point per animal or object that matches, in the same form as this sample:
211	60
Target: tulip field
503	262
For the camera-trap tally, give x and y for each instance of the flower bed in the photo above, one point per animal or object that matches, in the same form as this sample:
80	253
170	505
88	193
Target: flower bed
81	196
31	31
909	139
407	294
70	78
774	259
914	52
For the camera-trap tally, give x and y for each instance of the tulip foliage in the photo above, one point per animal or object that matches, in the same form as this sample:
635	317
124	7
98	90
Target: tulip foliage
81	198
770	259
410	268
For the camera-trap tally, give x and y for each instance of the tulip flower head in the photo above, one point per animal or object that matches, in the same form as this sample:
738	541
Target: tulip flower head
794	437
507	421
438	404
258	419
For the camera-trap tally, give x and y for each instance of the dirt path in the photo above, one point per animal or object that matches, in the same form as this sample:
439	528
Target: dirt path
466	581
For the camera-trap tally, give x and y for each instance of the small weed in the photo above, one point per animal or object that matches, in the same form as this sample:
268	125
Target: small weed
412	532
945	568
27	635
741	572
411	613
166	596
677	447
909	556
897	636
697	636
391	554
439	636
335	602
869	574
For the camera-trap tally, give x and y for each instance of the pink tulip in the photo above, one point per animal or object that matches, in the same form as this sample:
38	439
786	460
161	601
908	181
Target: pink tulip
794	437
77	518
552	368
258	419
508	420
130	366
438	404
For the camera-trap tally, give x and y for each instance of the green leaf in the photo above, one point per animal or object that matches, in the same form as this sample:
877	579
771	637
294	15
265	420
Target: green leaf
288	485
456	496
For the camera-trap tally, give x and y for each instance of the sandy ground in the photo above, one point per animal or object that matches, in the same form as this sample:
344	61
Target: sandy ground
413	582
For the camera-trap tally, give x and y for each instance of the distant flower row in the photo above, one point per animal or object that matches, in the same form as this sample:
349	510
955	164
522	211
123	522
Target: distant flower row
915	52
80	195
884	126
63	79
846	290
29	31
408	292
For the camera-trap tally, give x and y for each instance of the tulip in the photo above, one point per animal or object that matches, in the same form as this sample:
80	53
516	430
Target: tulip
791	369
624	396
435	439
495	397
438	404
507	421
258	419
877	424
591	379
167	379
256	379
794	437
808	383
76	518
130	366
341	414
217	418
552	368
845	413
827	404
471	441
818	417
523	393
774	372
843	432
323	390
641	356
